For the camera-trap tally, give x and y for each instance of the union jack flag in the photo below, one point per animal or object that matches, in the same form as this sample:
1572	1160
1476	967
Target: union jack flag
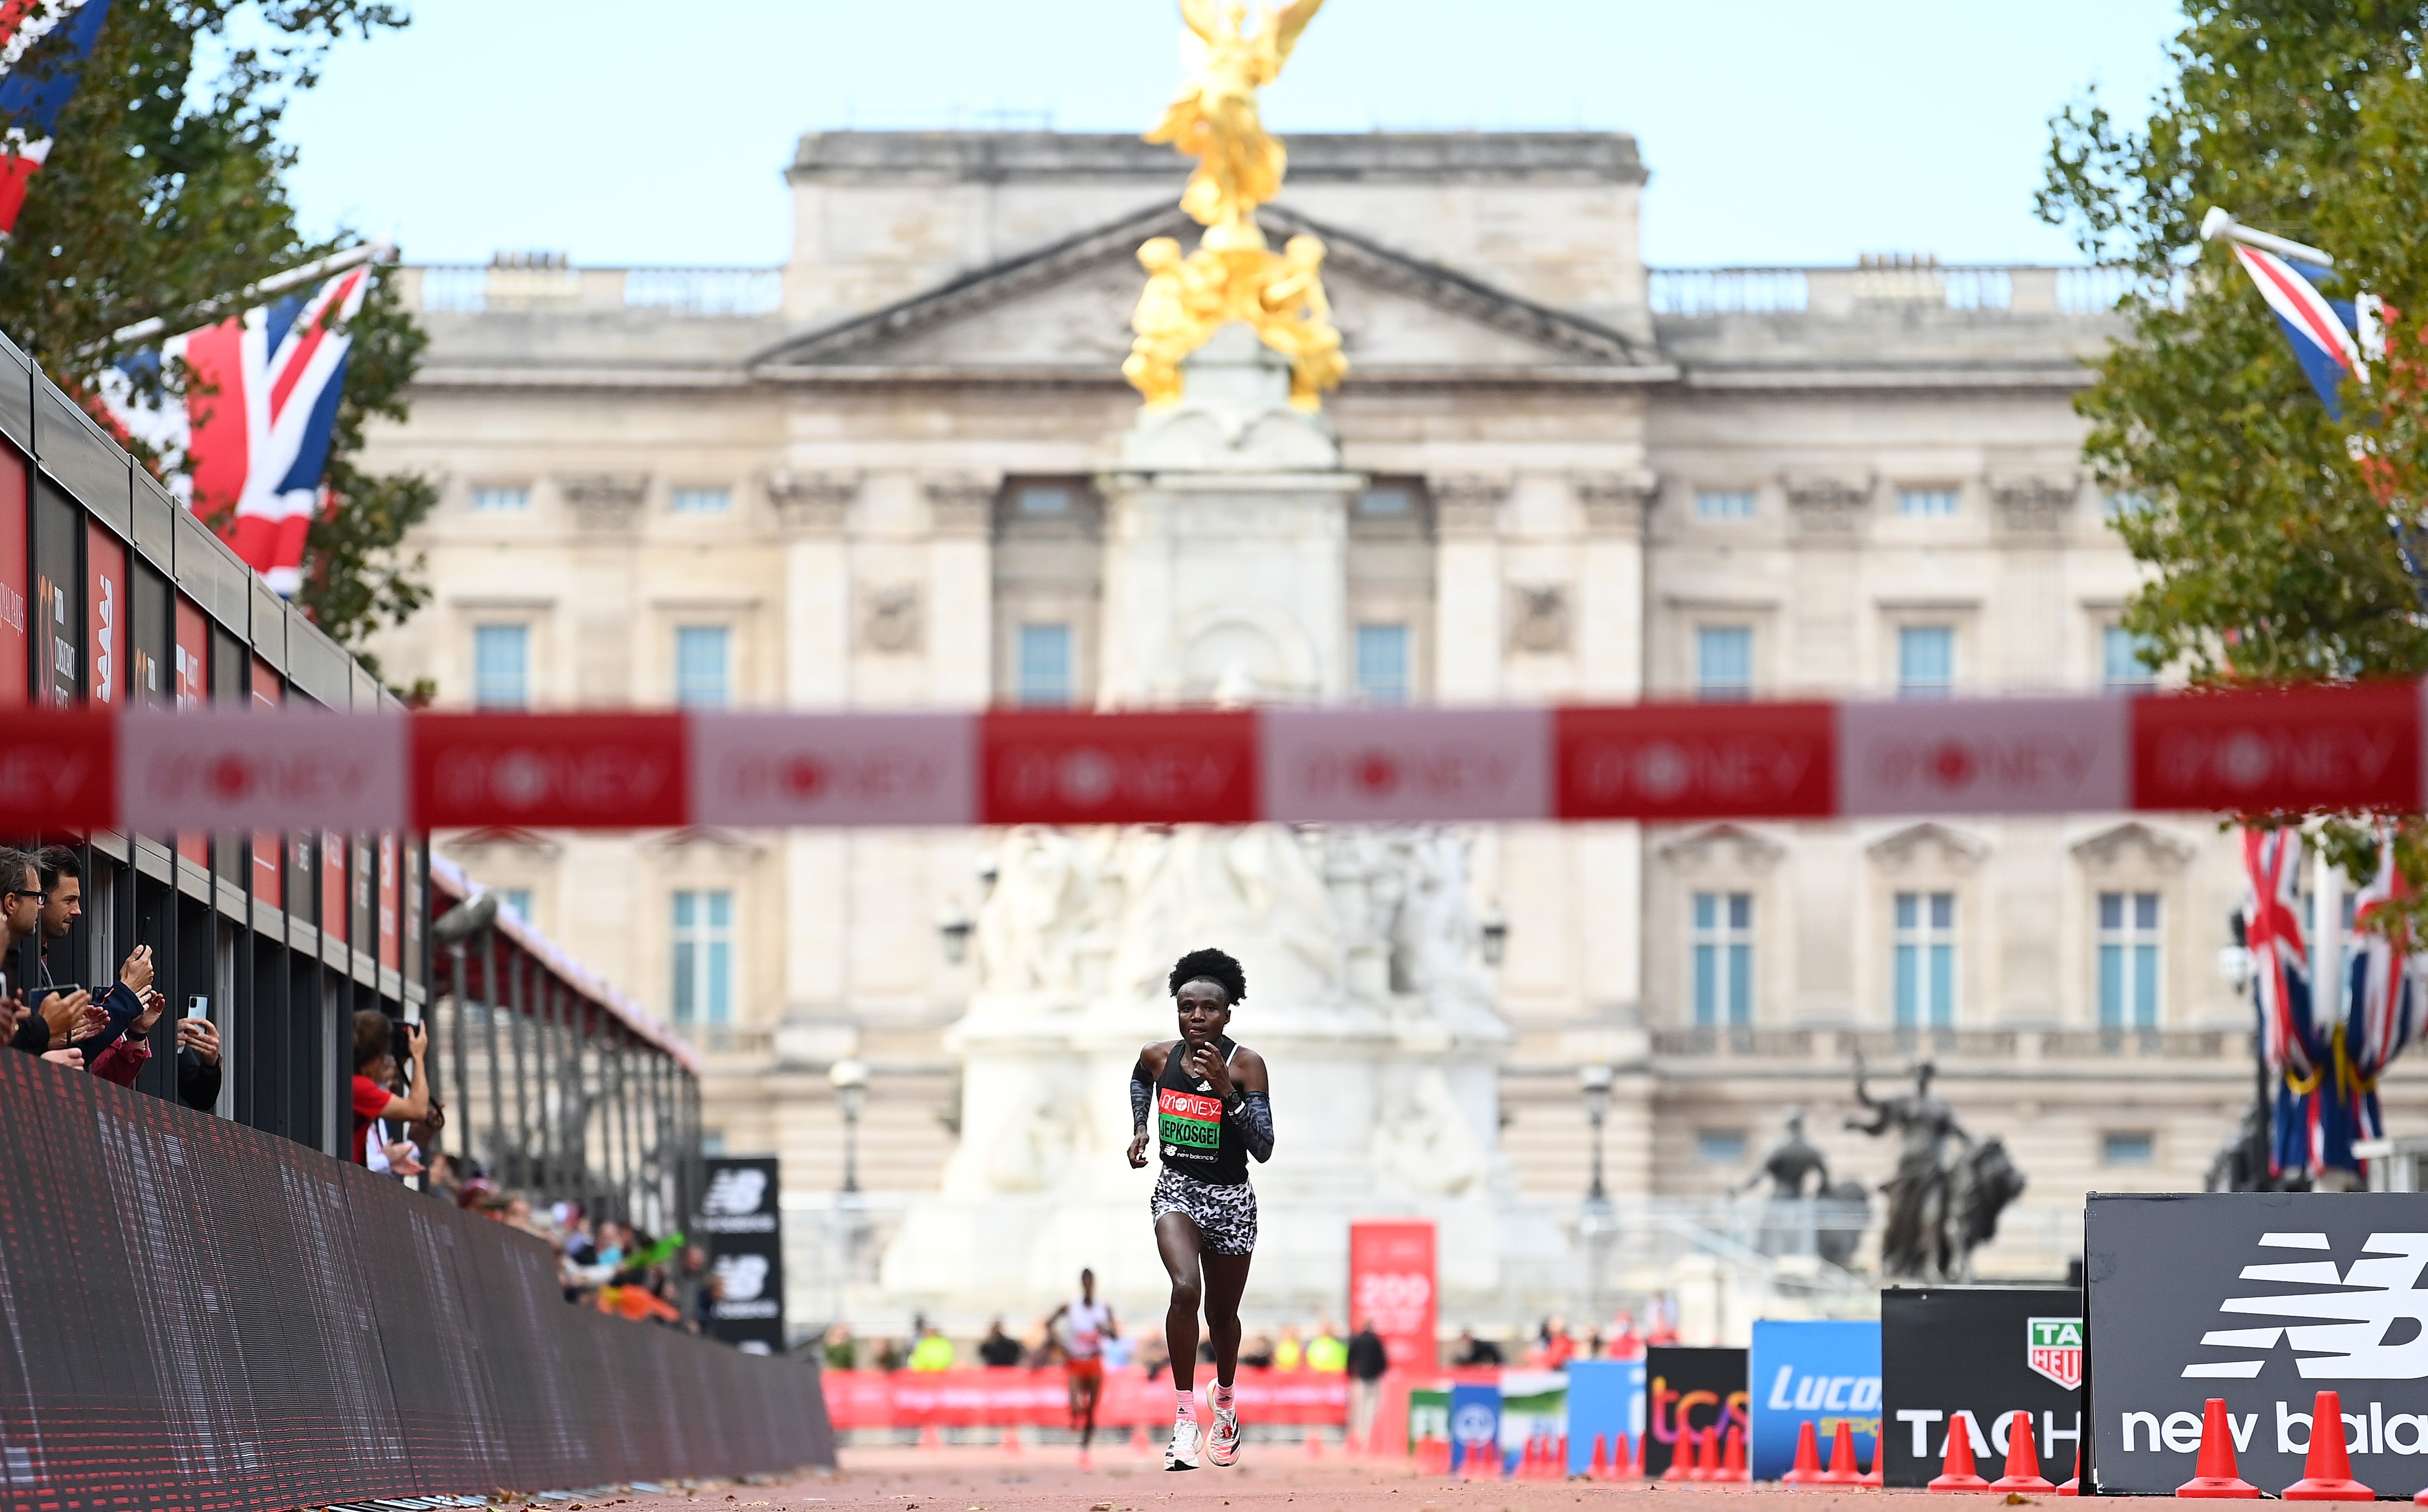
247	442
2384	1014
2326	334
2280	965
33	92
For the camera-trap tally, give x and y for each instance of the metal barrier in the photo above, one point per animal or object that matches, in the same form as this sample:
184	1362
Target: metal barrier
196	1315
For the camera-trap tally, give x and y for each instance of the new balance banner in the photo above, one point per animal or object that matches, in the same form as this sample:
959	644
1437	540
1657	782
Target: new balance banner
1824	1373
2264	1299
1690	1389
744	1229
200	1317
1974	1356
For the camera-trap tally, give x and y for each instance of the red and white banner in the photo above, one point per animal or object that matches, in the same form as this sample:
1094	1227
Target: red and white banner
1010	1398
294	768
1393	1285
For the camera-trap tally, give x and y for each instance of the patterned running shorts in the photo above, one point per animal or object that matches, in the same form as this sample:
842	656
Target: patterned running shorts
1225	1216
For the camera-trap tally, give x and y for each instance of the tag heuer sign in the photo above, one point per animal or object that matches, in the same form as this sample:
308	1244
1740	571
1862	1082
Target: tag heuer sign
2056	1350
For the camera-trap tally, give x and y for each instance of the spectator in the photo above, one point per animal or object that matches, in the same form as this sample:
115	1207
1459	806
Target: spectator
1289	1354
198	1064
446	1177
1367	1360
1472	1351
888	1355
1258	1353
1000	1349
25	1030
841	1353
1557	1345
1625	1343
691	1285
1325	1351
120	1059
933	1352
375	1067
45	1032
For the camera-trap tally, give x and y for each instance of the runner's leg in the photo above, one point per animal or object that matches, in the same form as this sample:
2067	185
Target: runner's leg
1176	1238
1226	1281
1086	1391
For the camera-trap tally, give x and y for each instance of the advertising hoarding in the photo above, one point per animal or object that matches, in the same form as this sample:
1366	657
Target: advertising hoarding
743	1229
1821	1371
1977	1354
1690	1390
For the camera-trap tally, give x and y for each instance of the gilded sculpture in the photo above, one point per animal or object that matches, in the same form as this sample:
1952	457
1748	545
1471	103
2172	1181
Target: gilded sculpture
1232	275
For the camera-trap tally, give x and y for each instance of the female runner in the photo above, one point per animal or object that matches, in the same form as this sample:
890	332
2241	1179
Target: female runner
1208	1099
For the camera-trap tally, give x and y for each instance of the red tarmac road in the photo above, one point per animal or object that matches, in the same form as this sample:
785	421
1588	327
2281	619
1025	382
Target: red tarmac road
1275	1477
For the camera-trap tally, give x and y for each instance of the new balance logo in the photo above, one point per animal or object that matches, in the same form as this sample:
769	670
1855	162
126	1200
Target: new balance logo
2379	1327
735	1191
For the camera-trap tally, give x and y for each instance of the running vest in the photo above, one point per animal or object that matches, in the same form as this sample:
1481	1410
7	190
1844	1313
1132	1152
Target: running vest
1189	1122
1086	1328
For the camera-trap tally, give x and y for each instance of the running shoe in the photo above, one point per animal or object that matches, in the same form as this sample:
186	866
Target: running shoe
1223	1444
1182	1453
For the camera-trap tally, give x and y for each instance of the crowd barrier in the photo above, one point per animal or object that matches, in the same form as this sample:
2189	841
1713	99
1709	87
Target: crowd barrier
1005	1398
197	1315
145	771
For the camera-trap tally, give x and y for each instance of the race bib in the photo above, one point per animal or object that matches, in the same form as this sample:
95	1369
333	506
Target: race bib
1188	1125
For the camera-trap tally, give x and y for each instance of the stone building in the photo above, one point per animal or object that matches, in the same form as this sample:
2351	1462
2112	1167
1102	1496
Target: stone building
871	479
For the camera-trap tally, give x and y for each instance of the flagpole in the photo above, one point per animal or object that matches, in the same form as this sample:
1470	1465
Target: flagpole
370	252
2220	221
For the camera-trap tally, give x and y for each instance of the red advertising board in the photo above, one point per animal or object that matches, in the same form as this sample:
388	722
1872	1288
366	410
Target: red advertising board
391	890
1392	1285
268	848
15	565
193	691
105	557
333	885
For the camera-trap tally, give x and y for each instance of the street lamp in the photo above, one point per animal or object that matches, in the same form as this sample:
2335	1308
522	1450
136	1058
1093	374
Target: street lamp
1494	928
1595	1080
953	929
850	1079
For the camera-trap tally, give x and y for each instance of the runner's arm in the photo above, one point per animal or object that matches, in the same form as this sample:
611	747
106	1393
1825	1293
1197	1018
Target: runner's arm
1249	1108
1141	1098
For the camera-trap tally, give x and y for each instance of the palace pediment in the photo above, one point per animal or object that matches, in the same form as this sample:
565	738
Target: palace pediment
1064	310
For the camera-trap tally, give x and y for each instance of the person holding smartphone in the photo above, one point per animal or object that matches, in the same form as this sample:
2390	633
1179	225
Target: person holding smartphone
375	1067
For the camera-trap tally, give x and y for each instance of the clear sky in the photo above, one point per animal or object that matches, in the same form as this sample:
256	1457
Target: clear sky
1777	131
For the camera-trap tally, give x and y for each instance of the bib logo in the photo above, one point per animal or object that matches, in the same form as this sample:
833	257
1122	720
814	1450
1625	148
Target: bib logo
2054	1349
2375	1328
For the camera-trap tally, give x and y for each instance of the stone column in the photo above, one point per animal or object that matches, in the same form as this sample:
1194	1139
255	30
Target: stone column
604	615
813	512
1610	665
1829	514
961	590
1468	632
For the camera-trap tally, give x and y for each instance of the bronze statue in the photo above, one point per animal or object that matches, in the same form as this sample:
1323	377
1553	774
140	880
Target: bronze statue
1946	1194
1232	275
1789	1163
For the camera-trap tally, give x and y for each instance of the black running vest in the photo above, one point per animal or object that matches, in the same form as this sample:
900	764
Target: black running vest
1189	1123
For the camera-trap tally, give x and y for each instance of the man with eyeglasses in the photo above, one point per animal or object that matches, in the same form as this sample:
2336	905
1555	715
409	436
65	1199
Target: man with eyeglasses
49	1033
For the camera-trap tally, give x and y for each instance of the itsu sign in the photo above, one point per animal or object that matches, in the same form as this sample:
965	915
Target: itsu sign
1392	1285
2056	1350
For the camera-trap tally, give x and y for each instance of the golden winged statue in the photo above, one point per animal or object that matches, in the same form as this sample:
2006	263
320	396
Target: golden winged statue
1232	275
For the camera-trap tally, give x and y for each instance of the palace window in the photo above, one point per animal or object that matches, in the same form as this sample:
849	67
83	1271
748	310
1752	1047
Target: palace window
703	958
2134	1147
1384	502
502	666
501	500
1383	663
1720	1146
1723	662
516	900
1046	677
1925	660
703	666
1720	941
1926	503
1043	500
2128	960
1724	504
702	501
2123	663
1923	956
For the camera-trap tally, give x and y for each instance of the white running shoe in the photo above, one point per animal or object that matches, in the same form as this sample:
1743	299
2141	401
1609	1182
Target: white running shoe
1223	1444
1182	1452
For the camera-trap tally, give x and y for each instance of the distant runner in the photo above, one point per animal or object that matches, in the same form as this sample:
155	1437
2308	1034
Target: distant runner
1203	1101
1087	1324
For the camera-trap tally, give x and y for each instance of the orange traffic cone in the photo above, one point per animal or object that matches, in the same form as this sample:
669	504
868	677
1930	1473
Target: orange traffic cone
1560	1447
1734	1469
1872	1477
1314	1443
1958	1473
1707	1454
1842	1470
2023	1458
2214	1475
930	1439
1808	1458
1636	1467
1600	1469
2073	1487
1681	1454
2326	1473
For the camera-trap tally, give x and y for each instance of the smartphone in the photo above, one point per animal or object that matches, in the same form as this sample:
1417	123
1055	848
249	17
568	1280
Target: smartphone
198	1007
65	989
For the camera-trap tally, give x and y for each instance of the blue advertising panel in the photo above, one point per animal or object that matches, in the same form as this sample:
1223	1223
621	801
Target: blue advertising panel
1821	1373
1605	1398
1474	1423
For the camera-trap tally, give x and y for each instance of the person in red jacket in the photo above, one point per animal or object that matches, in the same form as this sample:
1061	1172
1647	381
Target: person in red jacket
375	1069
